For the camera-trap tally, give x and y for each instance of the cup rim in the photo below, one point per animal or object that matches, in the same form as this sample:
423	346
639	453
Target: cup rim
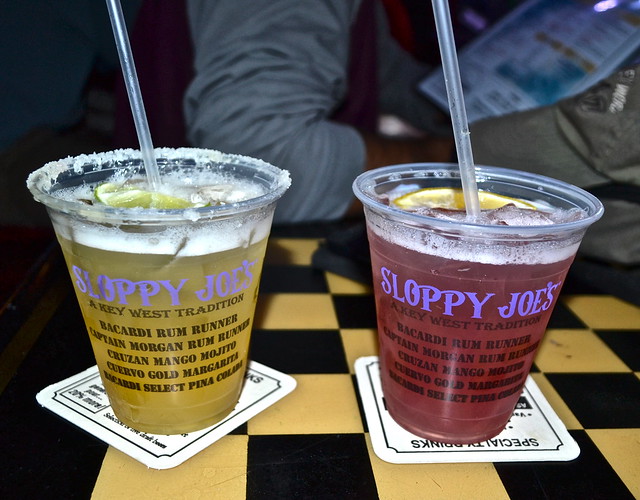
41	181
364	184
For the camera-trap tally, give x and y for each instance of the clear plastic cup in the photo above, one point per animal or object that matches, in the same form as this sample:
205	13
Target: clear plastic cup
168	296
462	307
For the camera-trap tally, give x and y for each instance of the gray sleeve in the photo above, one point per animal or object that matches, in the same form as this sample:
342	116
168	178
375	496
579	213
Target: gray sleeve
268	74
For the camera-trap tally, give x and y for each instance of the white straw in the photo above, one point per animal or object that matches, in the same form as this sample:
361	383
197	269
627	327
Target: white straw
458	111
133	90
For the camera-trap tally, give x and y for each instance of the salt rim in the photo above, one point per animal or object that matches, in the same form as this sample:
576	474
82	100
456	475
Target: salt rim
197	154
47	175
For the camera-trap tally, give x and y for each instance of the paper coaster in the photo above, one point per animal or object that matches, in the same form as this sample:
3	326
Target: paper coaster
82	400
534	433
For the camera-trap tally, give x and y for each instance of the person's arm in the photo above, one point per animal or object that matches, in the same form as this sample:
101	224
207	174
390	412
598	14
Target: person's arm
268	74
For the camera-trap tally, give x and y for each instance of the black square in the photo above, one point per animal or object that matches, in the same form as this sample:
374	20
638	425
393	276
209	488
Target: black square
625	343
600	400
38	464
355	311
300	351
534	368
363	416
588	277
314	466
292	279
241	430
563	317
580	280
588	477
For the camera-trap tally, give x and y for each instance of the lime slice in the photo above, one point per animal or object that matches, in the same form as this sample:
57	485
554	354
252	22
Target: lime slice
453	199
122	196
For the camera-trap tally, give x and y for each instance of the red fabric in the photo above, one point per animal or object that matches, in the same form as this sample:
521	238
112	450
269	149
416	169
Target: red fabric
163	56
360	108
400	24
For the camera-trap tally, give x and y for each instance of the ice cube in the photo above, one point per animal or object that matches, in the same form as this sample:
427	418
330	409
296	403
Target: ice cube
217	194
510	215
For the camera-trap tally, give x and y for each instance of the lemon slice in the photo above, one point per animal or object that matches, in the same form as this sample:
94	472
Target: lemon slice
122	196
453	199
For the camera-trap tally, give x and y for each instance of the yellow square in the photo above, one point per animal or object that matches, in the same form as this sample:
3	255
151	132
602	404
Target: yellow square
294	251
320	404
420	481
557	403
340	284
573	351
219	471
295	311
606	313
621	447
358	343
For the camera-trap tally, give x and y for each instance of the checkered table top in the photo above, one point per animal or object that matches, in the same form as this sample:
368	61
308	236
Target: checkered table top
314	443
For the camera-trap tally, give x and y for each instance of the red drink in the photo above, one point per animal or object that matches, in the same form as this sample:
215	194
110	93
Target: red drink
463	303
457	338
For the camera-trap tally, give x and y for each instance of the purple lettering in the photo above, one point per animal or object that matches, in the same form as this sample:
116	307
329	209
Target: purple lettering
429	295
412	292
551	287
452	298
146	289
80	283
227	283
386	285
247	271
477	305
173	291
525	303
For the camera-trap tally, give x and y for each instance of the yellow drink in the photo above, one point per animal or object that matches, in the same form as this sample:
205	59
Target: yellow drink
172	351
168	294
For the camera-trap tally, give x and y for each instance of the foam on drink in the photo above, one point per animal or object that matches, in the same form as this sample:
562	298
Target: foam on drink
191	181
473	247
